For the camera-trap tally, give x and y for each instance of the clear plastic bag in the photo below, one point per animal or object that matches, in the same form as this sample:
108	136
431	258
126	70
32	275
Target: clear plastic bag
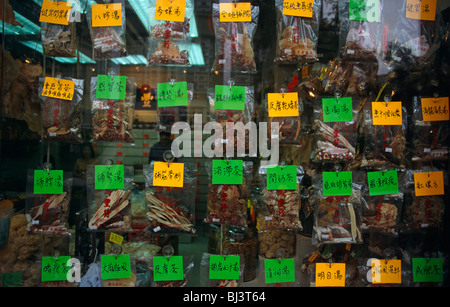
234	43
112	120
61	119
167	116
269	241
205	281
170	209
59	40
297	36
162	29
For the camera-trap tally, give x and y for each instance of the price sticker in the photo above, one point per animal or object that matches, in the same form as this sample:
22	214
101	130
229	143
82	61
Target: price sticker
168	174
172	94
330	274
429	183
282	177
168	268
386	271
435	109
427	270
298	8
115	238
170	10
227	172
283	104
235	12
224	267
337	110
48	182
387	113
229	98
107	15
58	88
115	266
55	12
364	10
55	268
421	9
109	177
111	87
382	182
279	270
337	183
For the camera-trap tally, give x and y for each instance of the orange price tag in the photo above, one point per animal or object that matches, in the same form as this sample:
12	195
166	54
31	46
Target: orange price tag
435	109
235	12
429	183
107	15
386	271
421	9
387	113
298	8
55	12
330	274
58	88
168	174
283	105
170	10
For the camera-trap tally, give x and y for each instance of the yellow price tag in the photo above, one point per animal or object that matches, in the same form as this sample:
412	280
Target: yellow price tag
435	109
170	10
58	88
283	104
387	113
235	12
298	8
107	15
386	271
421	9
429	183
55	12
168	174
330	274
115	238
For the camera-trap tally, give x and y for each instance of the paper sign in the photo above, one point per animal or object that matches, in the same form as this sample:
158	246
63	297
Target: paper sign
55	12
115	238
364	10
11	279
298	8
387	113
427	270
330	274
235	12
226	98
279	270
382	182
224	267
115	266
429	183
435	109
386	271
111	87
168	268
58	88
48	182
107	15
109	177
337	110
421	9
172	94
337	183
282	177
283	105
55	268
227	171
168	174
170	10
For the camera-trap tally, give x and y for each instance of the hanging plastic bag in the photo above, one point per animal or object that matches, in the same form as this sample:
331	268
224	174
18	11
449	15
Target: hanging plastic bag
234	43
171	209
108	41
112	119
58	40
48	213
61	118
206	267
163	29
269	241
297	36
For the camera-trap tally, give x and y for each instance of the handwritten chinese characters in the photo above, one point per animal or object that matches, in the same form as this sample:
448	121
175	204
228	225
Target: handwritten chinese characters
429	183
56	12
386	271
107	15
279	270
54	268
168	268
115	266
382	182
427	269
109	177
235	12
337	183
364	10
48	182
300	8
224	267
170	10
330	274
172	94
111	87
283	104
421	9
282	178
227	171
229	98
384	113
58	88
168	174
435	109
337	110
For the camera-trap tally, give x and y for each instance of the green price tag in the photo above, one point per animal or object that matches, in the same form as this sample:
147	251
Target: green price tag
55	268
172	94
364	10
168	268
382	183
427	270
12	279
48	182
111	87
115	266
337	183
277	270
109	177
337	110
227	172
229	98
282	178
224	267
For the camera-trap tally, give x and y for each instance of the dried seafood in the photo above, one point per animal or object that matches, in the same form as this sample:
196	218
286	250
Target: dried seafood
50	217
112	213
